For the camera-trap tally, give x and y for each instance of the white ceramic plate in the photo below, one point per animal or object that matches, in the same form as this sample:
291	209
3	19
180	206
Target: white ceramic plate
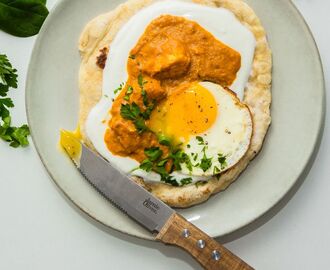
297	112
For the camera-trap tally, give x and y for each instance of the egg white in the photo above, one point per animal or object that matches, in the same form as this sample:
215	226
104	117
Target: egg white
218	21
230	134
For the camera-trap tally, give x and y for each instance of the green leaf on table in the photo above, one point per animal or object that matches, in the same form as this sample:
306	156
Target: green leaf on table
22	18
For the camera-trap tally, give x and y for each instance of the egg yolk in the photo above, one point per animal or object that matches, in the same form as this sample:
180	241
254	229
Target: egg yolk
188	111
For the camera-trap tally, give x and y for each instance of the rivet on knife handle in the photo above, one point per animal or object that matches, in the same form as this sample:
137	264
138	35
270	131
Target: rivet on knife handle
208	252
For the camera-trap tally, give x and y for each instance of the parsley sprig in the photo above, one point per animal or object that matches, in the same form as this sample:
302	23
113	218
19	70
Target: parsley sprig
15	136
133	112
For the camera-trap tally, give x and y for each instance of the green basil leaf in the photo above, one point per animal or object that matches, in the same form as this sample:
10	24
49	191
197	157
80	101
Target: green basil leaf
22	18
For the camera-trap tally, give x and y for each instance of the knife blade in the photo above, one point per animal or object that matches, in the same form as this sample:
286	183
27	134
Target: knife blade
149	211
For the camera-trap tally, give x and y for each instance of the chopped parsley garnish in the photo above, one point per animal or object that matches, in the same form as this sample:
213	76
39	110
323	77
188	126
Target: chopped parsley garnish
153	153
146	114
140	125
222	160
155	162
170	180
162	163
119	88
216	170
15	136
200	140
206	162
145	97
141	81
146	165
132	112
187	161
144	94
163	140
132	56
186	181
129	92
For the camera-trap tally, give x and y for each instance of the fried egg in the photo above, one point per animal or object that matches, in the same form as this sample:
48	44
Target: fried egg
210	122
214	127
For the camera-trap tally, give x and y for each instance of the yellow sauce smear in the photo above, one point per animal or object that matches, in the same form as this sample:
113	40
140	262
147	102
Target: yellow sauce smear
70	142
172	55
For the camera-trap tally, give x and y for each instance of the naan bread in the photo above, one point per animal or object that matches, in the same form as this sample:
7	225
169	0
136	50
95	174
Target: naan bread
100	32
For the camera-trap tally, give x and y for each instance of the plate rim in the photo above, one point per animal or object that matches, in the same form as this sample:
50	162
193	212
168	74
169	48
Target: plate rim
320	128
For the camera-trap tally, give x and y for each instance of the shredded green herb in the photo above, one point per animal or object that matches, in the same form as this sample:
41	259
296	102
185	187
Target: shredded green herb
216	170
186	181
206	162
200	140
153	153
120	87
164	140
222	160
129	92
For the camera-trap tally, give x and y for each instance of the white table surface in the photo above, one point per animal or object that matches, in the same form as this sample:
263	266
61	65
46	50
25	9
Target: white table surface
39	230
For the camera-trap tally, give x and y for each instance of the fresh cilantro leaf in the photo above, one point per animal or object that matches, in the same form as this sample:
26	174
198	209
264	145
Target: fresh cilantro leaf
222	160
186	181
153	153
206	163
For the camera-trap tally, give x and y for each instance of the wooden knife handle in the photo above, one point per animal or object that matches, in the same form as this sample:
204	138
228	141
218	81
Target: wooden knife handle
208	252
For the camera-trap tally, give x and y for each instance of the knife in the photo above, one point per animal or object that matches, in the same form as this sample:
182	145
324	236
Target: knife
169	227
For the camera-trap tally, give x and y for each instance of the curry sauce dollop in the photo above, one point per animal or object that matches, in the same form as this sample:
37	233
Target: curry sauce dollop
172	53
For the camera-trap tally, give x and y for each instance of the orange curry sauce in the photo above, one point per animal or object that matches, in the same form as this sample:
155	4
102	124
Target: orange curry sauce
172	52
